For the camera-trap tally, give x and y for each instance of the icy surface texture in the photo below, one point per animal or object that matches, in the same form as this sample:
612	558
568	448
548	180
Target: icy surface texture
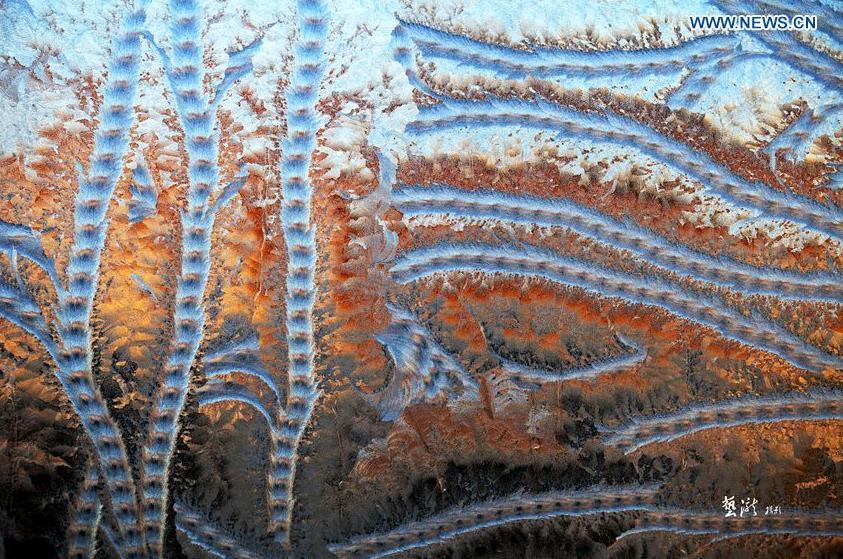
419	278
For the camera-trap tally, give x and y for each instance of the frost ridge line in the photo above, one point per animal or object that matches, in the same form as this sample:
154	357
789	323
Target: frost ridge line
458	521
299	235
533	262
209	538
643	431
536	376
546	62
557	212
197	116
612	127
94	193
795	53
85	520
619	130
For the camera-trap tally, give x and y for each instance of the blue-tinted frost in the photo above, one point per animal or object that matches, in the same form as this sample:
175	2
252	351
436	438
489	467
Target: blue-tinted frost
533	262
642	431
555	212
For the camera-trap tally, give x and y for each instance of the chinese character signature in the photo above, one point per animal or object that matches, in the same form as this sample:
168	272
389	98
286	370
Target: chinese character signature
729	505
772	510
748	507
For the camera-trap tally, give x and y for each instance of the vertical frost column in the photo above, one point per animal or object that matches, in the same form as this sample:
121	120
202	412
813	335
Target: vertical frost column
197	119
299	236
82	533
90	227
